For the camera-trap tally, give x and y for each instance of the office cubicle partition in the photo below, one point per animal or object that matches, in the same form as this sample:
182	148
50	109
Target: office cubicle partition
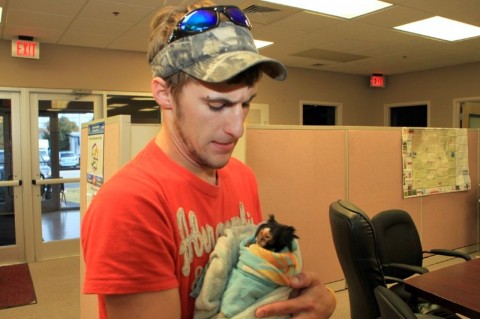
301	170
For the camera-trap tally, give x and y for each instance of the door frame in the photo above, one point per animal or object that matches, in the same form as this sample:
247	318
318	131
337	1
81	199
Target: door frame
17	252
457	106
61	248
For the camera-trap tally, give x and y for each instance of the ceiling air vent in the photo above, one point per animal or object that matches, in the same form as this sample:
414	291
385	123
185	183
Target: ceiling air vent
258	9
265	15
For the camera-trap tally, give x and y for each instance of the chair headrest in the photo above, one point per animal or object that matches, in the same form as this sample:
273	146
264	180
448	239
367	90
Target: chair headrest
354	240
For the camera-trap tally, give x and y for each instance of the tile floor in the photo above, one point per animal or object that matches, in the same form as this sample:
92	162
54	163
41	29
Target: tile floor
57	286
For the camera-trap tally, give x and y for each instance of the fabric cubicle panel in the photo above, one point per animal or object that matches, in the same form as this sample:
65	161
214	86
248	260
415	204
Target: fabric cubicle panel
375	174
455	215
375	183
300	172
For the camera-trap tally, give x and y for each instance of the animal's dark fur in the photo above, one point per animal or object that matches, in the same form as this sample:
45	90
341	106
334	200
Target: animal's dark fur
281	236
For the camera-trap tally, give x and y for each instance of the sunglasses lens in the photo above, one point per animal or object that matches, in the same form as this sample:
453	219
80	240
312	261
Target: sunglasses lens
238	17
198	21
201	20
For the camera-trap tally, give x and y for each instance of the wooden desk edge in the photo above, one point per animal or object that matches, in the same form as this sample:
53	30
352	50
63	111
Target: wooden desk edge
450	305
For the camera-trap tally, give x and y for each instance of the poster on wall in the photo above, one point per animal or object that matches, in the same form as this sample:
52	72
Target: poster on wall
435	160
96	136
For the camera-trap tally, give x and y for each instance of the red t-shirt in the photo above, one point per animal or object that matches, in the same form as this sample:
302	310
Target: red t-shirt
152	226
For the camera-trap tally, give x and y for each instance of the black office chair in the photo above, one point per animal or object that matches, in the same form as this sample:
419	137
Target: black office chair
399	246
355	243
393	307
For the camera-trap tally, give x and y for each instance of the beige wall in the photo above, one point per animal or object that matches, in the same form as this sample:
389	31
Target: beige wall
307	85
439	86
68	67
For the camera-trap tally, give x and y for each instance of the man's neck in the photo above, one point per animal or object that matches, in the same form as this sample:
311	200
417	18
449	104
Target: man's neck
208	175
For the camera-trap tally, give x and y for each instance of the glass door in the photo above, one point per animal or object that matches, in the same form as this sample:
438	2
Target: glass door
12	244
56	170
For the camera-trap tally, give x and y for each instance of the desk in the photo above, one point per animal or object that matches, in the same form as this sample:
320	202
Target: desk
455	287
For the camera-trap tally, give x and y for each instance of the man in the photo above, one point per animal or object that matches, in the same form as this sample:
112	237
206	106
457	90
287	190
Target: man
149	230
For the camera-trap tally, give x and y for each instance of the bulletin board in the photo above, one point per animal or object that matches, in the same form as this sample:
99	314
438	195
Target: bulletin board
435	160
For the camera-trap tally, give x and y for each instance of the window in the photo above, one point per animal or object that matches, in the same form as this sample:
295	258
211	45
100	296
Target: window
407	115
320	113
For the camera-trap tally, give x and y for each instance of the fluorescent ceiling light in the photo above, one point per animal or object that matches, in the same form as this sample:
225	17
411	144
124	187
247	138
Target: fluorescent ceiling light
341	8
441	28
261	44
1	14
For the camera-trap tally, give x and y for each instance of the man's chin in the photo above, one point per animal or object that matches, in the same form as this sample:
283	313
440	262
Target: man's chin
219	161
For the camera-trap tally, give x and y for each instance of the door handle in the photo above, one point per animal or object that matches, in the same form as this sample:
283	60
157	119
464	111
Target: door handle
13	182
48	181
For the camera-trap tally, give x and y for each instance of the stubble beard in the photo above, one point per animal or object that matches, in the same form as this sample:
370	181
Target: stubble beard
191	152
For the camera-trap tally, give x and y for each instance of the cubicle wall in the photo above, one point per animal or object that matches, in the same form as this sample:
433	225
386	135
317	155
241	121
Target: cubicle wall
301	170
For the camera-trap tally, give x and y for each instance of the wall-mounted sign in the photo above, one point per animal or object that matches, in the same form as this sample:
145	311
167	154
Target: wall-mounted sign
377	81
25	49
96	138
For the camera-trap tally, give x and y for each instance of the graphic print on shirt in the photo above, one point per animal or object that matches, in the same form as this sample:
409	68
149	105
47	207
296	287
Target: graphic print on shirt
196	241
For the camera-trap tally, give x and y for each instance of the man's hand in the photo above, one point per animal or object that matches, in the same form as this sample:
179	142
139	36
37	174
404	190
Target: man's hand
313	300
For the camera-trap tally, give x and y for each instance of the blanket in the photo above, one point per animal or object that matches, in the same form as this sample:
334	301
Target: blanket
222	291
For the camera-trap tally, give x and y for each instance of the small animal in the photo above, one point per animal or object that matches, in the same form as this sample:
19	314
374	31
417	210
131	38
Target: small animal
275	236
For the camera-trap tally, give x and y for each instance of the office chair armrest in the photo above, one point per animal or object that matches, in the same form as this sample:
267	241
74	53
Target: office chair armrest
416	269
390	279
448	252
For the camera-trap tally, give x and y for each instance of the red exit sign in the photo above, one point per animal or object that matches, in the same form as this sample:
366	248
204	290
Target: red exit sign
25	49
377	81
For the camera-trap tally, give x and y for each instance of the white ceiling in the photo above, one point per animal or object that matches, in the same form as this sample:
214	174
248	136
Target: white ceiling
363	45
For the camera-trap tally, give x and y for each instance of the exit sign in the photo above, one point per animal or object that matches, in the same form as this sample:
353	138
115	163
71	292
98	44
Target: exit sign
25	49
377	81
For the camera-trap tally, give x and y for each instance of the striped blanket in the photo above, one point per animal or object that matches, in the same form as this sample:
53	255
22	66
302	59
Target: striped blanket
258	272
240	276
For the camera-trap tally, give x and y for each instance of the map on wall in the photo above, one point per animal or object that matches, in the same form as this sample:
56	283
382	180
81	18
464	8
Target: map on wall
434	161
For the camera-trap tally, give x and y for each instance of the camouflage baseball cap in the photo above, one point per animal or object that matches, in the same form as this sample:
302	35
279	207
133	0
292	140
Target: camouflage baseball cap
215	55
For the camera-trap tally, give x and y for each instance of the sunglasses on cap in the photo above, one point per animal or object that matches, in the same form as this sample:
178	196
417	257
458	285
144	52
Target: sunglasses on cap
207	18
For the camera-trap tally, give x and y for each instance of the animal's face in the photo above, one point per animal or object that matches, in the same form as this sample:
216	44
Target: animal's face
275	236
263	237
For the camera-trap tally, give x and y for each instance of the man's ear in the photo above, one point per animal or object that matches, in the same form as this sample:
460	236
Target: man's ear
161	92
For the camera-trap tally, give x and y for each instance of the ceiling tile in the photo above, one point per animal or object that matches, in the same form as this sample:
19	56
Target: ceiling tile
99	9
97	26
87	39
60	7
37	20
39	35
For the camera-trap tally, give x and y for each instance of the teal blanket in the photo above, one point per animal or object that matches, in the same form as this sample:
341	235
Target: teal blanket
239	279
258	272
